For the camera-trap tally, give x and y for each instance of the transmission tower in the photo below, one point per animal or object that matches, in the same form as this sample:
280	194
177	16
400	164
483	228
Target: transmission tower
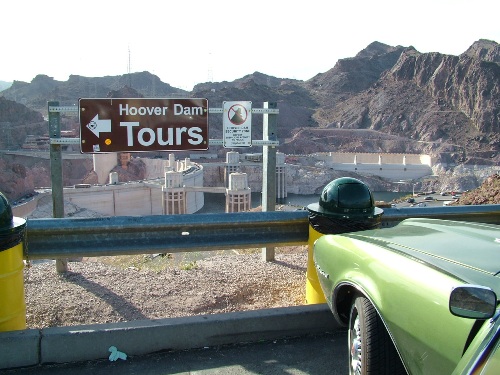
210	71
128	70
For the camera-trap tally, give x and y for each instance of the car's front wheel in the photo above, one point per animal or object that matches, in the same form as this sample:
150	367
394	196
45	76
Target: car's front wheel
371	350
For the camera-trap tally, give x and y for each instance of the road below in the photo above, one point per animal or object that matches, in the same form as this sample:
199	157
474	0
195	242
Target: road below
312	355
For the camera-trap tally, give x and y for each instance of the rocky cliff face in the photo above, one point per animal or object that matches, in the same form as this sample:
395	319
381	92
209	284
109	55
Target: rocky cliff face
464	83
351	76
447	106
17	121
20	175
487	193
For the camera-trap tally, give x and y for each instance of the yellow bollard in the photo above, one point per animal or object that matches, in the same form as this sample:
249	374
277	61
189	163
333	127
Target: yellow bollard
12	303
345	205
314	294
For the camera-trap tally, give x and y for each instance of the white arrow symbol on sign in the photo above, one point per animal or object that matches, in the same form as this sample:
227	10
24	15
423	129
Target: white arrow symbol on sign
96	126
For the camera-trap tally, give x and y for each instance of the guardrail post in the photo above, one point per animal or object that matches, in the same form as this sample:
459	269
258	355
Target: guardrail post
56	173
270	129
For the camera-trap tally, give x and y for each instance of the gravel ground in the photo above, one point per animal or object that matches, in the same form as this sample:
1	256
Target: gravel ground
106	290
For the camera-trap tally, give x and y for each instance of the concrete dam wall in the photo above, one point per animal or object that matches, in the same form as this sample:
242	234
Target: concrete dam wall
390	166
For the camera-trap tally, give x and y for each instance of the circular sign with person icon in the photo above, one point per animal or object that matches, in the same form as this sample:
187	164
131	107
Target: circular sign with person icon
237	124
237	114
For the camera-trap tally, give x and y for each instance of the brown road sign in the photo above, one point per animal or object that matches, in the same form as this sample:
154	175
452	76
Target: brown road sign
128	125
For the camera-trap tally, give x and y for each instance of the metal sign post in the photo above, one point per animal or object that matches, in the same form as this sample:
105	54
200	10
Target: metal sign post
270	127
56	173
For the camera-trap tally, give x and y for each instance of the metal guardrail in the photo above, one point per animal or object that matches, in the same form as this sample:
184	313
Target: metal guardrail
126	235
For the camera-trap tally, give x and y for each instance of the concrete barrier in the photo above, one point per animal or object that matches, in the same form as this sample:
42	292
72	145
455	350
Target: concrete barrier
19	348
89	342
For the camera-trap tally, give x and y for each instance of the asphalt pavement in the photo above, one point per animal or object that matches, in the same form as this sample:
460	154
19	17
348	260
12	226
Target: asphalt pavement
312	355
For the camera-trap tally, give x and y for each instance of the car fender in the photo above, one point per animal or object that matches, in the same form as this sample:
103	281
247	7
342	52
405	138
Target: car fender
392	281
346	290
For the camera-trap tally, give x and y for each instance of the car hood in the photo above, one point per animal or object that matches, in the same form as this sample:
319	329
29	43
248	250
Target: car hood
467	251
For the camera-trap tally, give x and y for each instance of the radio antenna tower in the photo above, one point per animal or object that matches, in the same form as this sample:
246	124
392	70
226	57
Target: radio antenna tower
128	70
210	72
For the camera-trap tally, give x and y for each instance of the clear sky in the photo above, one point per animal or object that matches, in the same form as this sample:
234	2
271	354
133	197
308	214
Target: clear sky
185	42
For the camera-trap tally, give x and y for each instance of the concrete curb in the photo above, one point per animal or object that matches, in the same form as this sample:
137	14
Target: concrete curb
19	348
89	342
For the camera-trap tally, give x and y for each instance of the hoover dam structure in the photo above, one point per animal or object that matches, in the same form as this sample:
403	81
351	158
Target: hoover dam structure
393	167
155	196
177	186
171	187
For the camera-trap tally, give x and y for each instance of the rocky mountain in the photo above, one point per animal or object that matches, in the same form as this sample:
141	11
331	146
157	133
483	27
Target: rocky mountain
17	121
447	106
384	99
444	105
487	193
43	88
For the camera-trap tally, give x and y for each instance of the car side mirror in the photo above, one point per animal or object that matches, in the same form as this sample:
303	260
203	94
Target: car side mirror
473	301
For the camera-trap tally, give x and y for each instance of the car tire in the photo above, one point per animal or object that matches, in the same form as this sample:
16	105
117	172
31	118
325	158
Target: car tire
371	350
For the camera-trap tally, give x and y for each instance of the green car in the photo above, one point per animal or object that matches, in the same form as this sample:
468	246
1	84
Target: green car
418	298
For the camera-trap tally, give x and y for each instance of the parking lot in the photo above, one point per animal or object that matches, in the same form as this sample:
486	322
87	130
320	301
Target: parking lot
427	200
